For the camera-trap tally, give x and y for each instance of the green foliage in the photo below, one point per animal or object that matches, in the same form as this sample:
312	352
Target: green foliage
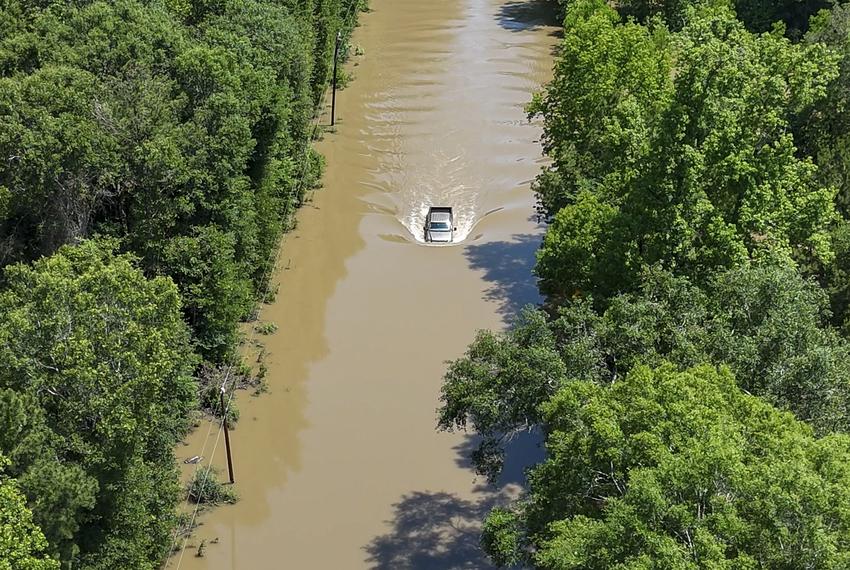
210	381
499	384
691	167
266	328
61	162
569	260
179	127
177	132
22	543
63	491
674	13
766	323
669	469
207	489
835	276
762	15
500	537
825	133
611	82
758	15
96	386
215	296
682	322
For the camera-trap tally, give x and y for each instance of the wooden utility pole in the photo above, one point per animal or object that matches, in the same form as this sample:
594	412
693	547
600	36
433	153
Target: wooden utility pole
333	95
226	437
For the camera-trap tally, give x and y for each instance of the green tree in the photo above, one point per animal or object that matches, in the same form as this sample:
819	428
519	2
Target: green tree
825	136
719	179
835	276
762	15
96	378
60	161
177	132
670	469
214	293
757	15
826	130
611	81
497	387
158	123
22	543
766	323
62	492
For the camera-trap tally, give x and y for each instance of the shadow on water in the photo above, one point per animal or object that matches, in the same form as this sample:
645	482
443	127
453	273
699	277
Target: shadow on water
433	531
507	267
441	531
527	15
522	451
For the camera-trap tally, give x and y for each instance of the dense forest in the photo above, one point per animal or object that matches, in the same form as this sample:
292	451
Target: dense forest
151	155
689	367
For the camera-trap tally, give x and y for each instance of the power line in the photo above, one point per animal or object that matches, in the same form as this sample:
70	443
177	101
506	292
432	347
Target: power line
200	497
195	478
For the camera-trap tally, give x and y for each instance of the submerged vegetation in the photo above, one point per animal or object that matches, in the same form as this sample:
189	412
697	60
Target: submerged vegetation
151	155
689	366
205	488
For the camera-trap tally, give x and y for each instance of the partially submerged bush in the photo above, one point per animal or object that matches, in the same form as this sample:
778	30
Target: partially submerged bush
205	488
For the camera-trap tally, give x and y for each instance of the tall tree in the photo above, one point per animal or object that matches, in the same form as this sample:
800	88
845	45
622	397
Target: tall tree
163	124
766	323
175	134
96	380
611	81
718	181
825	132
669	469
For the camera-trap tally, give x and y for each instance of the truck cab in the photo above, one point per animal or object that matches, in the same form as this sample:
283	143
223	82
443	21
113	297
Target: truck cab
439	225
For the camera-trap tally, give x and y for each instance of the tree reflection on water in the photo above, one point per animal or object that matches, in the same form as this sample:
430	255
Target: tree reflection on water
442	531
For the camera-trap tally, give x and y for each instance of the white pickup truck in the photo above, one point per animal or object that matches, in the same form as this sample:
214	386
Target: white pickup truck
439	225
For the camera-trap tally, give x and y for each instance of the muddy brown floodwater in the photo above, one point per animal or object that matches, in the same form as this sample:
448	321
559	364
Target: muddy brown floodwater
339	466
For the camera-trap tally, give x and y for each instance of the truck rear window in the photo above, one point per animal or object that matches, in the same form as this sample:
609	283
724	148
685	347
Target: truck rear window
439	226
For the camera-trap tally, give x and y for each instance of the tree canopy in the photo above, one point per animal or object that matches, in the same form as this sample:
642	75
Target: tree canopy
678	469
152	155
689	367
692	167
767	324
96	385
179	127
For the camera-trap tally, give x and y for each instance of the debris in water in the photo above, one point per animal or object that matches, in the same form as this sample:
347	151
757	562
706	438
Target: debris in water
194	459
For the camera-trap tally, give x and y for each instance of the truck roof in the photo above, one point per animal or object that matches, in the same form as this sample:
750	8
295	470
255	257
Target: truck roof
438	225
440	214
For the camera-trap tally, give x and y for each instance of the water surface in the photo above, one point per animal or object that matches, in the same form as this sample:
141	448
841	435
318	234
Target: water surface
339	465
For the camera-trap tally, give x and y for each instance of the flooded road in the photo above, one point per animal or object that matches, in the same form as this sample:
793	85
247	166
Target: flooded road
339	466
